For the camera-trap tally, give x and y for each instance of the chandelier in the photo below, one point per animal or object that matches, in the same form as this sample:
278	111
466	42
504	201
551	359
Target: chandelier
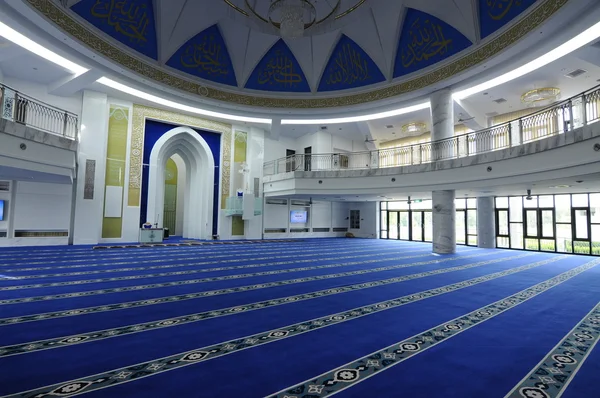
292	19
413	129
540	96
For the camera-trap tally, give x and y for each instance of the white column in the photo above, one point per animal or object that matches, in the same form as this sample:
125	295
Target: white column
442	124
444	222
486	223
92	146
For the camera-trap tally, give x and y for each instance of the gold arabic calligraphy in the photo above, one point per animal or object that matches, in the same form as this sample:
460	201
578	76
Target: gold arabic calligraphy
497	9
280	69
124	16
207	56
427	41
349	67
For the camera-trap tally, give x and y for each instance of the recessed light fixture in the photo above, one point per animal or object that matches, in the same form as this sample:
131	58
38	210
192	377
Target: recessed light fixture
559	186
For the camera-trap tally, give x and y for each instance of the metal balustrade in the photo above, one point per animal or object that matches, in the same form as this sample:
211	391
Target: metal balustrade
29	111
559	118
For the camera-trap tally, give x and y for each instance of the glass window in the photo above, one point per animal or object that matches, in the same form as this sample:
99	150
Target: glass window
546	201
384	235
502	241
461	237
581	224
423	205
532	226
503	222
472	222
384	220
595	239
532	244
472	240
397	205
547	223
547	245
580	200
516	208
502	203
564	238
460	203
516	235
472	203
530	203
595	207
562	205
383	205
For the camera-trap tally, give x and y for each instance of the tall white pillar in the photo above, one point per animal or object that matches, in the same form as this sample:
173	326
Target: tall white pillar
444	222
442	124
92	146
486	223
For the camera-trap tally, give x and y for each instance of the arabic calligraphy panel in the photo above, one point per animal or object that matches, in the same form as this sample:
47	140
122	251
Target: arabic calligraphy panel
349	67
424	41
206	56
494	14
278	71
131	22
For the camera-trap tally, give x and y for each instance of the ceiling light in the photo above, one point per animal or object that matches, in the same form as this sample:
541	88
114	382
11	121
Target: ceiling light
578	41
413	129
559	186
540	96
29	45
176	105
362	118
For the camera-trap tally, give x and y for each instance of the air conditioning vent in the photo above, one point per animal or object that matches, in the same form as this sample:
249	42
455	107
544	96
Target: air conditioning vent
273	201
576	73
4	186
500	100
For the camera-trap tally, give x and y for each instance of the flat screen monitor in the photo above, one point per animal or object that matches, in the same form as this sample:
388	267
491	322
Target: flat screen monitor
2	210
298	216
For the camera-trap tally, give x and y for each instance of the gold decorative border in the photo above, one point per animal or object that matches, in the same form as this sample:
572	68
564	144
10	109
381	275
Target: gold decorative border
152	70
140	114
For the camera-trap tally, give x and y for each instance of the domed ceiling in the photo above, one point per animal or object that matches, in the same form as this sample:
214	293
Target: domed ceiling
231	45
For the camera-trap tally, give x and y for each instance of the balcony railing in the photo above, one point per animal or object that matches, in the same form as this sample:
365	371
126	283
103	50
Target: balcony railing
29	111
559	118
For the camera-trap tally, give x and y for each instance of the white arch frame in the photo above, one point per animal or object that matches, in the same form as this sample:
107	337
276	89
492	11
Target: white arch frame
199	190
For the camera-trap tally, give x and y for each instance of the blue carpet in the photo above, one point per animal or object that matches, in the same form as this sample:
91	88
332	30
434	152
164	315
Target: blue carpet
251	320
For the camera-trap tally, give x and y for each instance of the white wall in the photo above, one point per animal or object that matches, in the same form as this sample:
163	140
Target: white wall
369	220
275	149
36	206
322	214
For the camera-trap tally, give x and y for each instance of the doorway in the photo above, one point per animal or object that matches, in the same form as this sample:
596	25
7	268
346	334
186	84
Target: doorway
415	225
307	158
290	160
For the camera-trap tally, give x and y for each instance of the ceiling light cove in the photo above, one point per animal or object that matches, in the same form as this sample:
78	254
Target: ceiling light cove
362	118
568	47
176	105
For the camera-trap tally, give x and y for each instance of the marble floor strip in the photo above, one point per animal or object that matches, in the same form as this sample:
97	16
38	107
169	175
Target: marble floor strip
552	375
63	341
345	376
401	351
190	296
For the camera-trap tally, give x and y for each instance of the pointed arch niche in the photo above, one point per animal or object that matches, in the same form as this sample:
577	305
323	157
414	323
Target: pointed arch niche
199	166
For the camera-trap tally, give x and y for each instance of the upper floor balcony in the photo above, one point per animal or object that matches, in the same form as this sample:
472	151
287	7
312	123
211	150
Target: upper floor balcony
561	118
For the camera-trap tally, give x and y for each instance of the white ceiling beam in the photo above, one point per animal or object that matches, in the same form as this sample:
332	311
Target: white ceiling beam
72	84
365	130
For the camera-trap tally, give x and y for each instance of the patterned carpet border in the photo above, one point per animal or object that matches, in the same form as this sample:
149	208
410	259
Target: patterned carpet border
348	375
190	296
213	279
64	341
551	377
181	255
200	243
339	379
178	265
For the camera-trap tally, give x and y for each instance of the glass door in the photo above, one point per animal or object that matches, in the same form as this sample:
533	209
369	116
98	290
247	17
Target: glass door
404	225
539	229
393	225
461	227
427	226
581	230
417	225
